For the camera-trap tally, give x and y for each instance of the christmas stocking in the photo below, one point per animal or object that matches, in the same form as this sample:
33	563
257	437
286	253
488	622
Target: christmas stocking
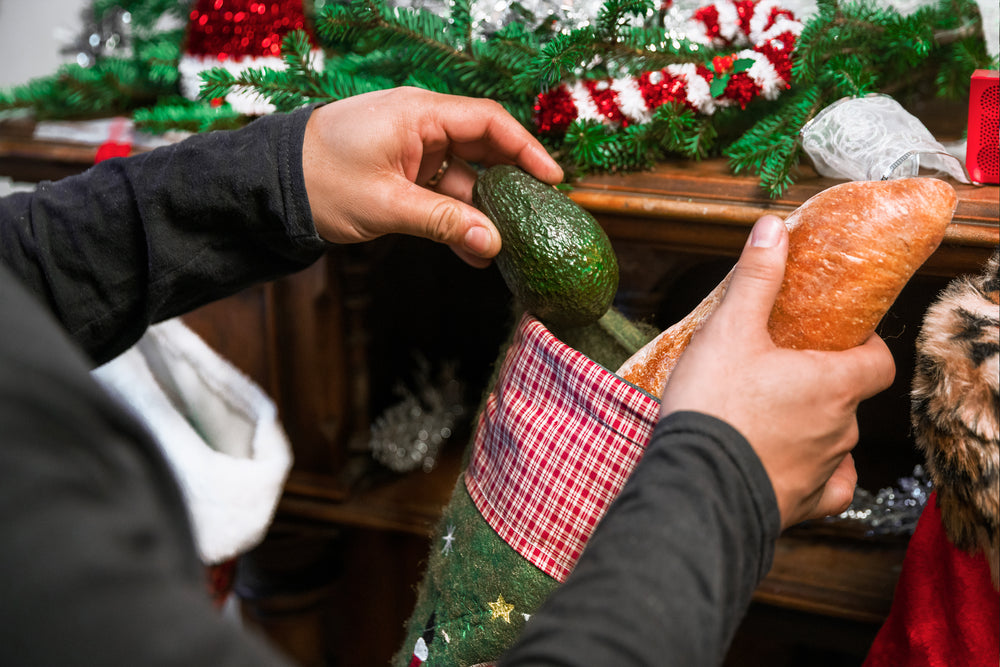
556	438
218	431
946	609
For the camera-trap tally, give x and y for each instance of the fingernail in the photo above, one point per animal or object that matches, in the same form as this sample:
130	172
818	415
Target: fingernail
478	240
767	232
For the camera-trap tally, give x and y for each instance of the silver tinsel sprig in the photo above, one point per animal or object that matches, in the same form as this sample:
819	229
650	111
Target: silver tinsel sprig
488	16
109	34
892	511
410	434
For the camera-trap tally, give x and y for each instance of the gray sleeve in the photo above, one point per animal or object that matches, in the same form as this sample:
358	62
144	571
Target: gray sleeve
133	241
668	574
98	558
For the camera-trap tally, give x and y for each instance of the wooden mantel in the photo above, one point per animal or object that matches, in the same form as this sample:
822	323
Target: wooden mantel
683	205
701	207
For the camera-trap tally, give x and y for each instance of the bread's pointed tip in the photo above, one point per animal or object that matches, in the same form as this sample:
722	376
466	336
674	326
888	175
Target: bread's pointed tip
937	191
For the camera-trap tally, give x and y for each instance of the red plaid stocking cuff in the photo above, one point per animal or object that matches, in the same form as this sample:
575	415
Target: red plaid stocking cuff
555	443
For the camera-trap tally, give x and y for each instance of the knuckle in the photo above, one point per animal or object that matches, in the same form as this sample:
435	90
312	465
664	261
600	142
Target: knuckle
444	220
759	271
493	105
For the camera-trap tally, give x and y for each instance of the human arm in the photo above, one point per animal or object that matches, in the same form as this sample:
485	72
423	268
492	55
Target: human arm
667	575
95	528
99	559
137	240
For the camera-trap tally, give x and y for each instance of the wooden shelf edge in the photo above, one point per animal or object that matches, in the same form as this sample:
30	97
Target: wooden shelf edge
851	579
409	503
394	518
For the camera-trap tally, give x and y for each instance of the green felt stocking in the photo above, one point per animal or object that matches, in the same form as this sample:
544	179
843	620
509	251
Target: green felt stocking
477	591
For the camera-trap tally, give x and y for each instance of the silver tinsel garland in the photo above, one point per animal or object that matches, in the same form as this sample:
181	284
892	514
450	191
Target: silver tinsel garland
101	36
410	434
892	511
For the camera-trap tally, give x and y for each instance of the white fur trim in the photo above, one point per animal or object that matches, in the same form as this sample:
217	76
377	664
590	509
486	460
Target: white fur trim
694	31
729	21
761	17
781	26
762	73
218	431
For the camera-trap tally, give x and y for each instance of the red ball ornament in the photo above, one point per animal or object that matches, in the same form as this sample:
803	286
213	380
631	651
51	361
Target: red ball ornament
242	29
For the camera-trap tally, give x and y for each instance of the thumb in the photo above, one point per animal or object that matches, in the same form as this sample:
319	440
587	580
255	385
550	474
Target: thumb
756	278
444	219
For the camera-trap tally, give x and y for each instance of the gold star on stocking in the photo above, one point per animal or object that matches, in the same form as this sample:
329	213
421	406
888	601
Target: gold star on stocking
501	609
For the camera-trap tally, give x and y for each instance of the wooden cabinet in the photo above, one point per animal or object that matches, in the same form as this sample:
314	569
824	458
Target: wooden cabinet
334	582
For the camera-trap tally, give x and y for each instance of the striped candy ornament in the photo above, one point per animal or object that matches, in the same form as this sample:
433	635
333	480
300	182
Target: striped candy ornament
761	69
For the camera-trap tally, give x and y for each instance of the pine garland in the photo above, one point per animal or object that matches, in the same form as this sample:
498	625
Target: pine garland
134	77
853	49
845	49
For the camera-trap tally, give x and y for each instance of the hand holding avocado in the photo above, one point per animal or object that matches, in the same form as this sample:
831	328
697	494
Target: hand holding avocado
370	164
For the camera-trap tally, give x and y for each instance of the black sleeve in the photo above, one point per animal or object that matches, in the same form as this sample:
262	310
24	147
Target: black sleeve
136	240
99	565
669	572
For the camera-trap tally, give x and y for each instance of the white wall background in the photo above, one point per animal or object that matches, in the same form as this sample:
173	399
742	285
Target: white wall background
32	32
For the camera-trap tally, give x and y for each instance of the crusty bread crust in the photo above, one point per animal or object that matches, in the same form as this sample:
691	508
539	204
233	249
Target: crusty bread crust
852	249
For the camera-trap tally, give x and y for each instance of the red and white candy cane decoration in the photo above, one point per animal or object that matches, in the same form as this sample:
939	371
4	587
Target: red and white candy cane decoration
762	25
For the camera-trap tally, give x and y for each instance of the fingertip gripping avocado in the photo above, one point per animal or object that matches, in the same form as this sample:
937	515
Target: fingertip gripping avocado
555	258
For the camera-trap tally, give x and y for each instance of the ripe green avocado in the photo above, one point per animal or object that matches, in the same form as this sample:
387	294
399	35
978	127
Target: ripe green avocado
555	257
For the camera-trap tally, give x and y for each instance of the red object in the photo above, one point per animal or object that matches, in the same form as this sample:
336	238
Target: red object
243	28
945	612
119	141
982	156
220	581
632	99
237	35
110	149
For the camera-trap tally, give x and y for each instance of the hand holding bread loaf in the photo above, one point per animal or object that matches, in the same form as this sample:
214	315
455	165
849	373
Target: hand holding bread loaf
796	408
852	249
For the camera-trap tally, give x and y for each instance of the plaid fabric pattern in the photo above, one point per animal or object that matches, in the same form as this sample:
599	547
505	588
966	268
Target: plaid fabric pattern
555	443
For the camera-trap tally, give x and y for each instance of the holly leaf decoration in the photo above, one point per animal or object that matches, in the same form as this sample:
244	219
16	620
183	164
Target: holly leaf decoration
718	85
742	65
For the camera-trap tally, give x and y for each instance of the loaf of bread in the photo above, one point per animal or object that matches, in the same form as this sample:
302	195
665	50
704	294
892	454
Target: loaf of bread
852	249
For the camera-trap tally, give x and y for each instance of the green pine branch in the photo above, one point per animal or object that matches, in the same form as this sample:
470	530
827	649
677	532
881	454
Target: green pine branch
771	147
559	59
180	114
615	15
847	48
